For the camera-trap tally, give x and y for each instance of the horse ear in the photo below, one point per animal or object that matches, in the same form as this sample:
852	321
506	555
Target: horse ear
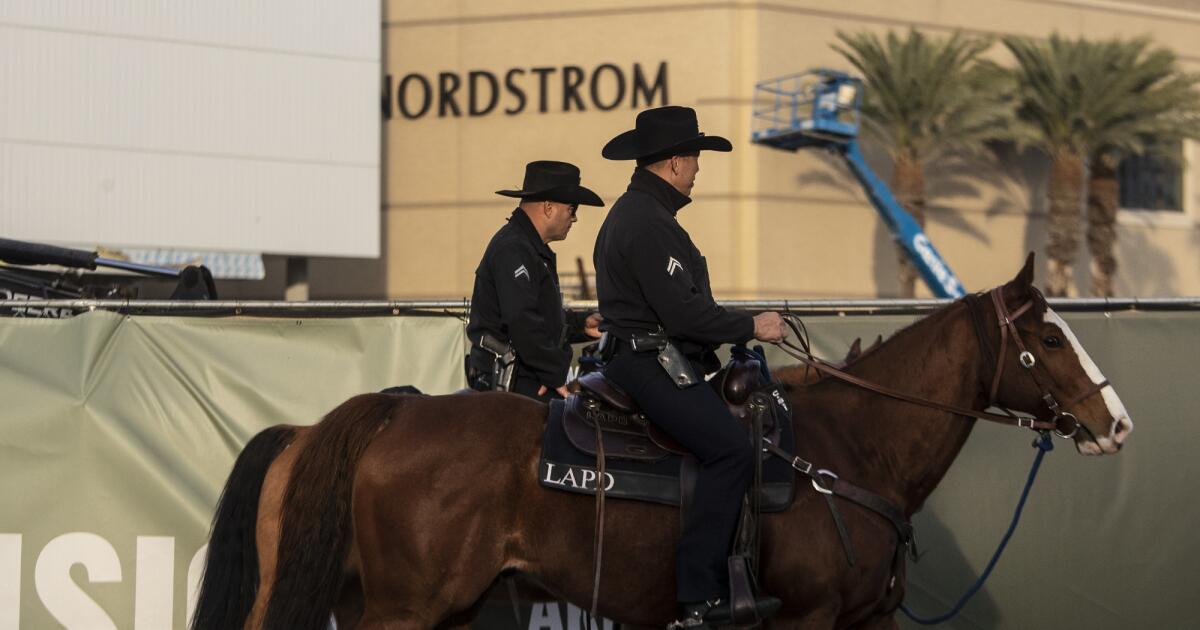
1024	279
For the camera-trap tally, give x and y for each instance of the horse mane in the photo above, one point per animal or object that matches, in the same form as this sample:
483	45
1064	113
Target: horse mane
856	352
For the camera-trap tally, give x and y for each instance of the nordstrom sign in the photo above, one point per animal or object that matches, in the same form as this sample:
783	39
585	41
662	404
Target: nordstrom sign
517	90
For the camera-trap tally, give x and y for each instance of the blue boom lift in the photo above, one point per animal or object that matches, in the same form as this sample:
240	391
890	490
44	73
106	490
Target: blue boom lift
820	109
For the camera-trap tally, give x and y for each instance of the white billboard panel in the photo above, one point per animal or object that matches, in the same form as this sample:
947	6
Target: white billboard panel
223	125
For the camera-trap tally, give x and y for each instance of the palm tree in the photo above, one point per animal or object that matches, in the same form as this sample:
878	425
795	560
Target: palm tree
923	98
1087	105
1154	107
1057	90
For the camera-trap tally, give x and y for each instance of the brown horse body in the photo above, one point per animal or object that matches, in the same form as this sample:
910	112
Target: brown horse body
424	501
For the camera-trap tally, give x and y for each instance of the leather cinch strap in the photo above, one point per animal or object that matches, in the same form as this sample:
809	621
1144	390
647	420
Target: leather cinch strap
598	546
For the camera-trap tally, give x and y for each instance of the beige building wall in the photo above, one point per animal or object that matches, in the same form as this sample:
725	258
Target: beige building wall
771	224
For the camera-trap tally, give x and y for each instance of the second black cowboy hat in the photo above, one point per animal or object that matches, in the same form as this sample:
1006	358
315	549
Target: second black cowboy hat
547	180
663	131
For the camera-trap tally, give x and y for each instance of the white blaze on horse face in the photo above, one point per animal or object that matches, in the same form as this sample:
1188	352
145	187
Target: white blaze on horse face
1122	426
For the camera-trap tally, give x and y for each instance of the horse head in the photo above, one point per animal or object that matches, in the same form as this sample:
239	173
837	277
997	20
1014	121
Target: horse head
1044	370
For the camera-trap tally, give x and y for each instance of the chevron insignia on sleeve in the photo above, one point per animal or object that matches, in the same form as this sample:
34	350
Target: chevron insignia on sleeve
521	271
672	265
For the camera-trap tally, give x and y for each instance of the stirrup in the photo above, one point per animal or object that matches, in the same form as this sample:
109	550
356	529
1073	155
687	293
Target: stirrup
716	612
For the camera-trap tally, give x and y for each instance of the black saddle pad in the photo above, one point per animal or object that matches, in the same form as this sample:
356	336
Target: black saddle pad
564	467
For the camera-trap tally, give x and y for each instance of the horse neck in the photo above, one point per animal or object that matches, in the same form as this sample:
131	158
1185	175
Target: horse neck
906	447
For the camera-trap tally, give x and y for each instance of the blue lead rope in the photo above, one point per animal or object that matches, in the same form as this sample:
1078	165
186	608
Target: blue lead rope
1044	445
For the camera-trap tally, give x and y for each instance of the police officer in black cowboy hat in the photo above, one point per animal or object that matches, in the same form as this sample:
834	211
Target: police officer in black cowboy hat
520	335
662	328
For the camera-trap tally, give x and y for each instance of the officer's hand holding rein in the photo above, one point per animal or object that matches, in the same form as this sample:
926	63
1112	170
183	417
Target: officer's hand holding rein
769	327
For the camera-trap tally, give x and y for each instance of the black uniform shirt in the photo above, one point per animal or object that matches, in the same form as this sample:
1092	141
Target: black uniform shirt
517	299
649	274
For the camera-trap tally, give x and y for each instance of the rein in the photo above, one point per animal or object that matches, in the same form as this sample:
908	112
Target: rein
801	351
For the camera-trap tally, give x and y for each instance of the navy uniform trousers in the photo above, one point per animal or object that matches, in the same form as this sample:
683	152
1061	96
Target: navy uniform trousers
698	419
526	384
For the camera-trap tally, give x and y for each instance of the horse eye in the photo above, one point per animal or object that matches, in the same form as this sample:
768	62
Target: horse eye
1052	342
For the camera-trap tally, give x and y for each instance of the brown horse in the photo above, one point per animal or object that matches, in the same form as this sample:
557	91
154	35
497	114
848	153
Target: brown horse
401	511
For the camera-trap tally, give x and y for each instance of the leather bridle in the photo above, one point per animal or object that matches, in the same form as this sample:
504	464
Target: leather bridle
1066	424
1063	423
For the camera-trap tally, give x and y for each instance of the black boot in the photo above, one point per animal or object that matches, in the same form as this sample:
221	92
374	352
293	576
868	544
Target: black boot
717	613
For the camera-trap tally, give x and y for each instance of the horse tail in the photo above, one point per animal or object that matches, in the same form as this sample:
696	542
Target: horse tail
316	514
231	570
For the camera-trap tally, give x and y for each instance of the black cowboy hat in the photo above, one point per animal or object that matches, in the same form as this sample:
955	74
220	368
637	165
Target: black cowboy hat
663	131
553	181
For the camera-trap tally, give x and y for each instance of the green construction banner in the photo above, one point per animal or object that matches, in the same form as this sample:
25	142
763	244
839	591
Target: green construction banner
117	432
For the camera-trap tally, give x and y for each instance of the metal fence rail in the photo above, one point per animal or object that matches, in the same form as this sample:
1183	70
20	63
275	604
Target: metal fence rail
458	308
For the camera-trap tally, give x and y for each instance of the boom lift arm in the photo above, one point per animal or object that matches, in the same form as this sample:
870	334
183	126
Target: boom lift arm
820	109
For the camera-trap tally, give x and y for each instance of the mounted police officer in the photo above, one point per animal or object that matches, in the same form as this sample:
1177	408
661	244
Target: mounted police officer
662	327
520	335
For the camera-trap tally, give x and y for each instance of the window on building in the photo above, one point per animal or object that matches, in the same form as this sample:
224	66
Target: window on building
1150	182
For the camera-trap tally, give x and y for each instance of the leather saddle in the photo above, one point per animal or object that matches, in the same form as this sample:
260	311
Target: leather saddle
625	431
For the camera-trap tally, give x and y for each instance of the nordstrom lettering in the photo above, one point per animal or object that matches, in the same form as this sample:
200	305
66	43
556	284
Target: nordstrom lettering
515	91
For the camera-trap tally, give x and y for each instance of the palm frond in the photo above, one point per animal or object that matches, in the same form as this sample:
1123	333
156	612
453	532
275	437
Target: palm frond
924	95
1103	99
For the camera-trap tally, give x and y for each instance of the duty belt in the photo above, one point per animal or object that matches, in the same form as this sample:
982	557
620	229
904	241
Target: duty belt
673	361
